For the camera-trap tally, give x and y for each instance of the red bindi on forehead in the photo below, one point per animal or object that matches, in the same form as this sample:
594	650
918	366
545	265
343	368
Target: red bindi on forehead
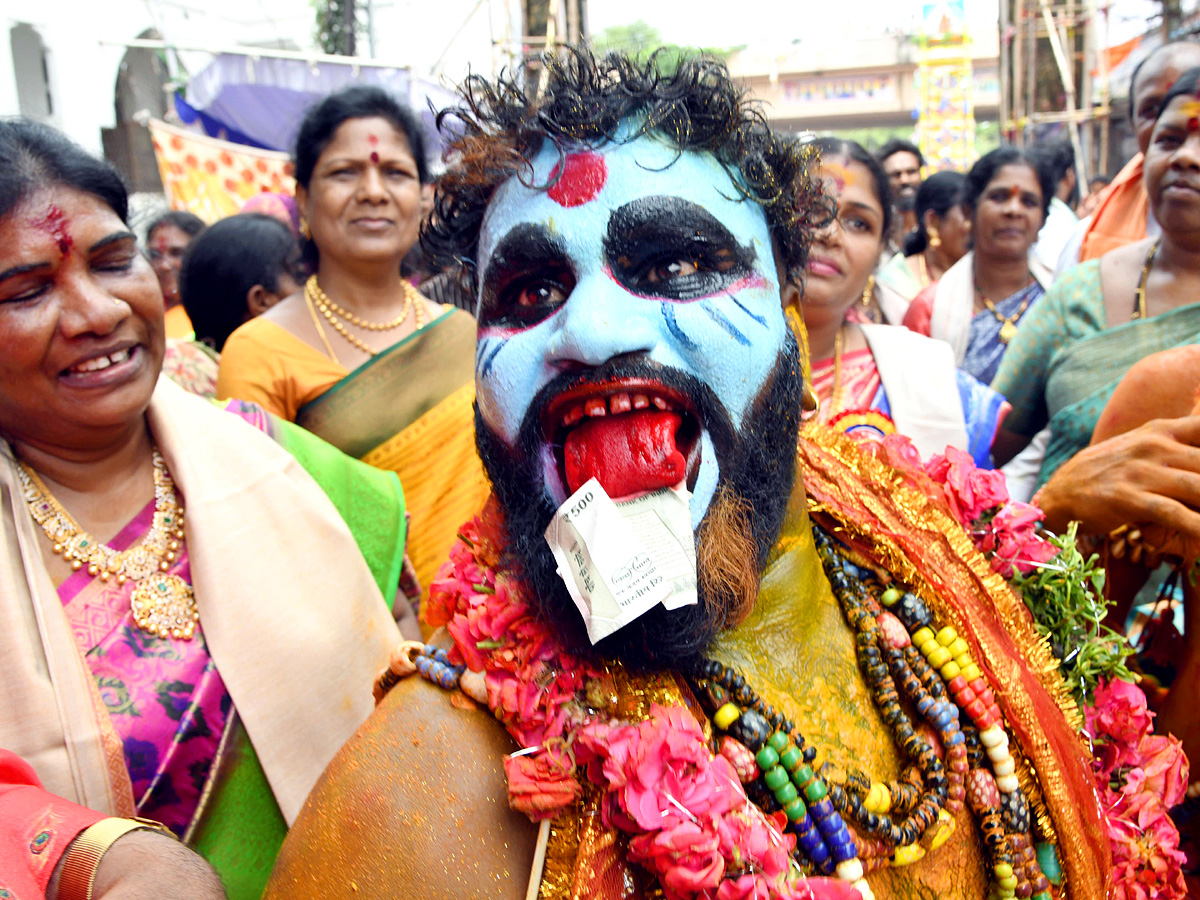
54	223
374	156
580	178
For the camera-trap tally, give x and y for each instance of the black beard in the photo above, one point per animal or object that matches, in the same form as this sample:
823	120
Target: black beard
758	463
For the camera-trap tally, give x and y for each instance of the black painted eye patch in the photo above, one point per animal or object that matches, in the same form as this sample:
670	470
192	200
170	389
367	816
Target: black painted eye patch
665	246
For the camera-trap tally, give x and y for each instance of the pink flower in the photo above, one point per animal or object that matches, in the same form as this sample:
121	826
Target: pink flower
1145	846
685	854
663	766
971	491
896	450
1017	543
1165	768
541	785
1119	715
758	887
747	887
748	835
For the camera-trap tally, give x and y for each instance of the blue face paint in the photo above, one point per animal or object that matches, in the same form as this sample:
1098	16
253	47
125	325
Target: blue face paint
643	252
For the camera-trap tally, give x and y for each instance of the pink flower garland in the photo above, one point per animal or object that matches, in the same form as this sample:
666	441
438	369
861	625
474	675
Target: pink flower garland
1139	777
1004	530
691	823
693	826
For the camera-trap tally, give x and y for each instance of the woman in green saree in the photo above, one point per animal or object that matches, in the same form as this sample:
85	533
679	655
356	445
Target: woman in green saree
1103	316
359	357
192	602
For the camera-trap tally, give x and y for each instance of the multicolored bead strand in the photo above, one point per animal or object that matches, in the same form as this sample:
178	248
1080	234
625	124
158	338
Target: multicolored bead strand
787	780
433	665
930	668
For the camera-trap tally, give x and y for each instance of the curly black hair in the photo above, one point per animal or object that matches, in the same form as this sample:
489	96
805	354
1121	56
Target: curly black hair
500	129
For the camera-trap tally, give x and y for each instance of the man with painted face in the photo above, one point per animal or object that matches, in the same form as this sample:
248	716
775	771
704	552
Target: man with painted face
636	238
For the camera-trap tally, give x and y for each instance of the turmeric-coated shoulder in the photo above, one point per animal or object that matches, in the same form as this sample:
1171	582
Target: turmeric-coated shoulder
414	806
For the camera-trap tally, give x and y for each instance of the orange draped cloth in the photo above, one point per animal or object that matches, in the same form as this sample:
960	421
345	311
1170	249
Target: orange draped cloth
177	323
1120	218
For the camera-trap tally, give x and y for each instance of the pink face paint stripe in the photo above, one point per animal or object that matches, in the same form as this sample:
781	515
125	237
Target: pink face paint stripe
507	331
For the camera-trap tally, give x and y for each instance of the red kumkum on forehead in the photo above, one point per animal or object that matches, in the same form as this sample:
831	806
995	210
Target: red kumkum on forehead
1191	109
54	223
581	177
374	156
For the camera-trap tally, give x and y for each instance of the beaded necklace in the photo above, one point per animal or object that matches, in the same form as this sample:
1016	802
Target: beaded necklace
898	653
859	825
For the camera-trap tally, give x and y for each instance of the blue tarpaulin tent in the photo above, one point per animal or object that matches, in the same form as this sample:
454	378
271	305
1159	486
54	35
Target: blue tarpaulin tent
259	101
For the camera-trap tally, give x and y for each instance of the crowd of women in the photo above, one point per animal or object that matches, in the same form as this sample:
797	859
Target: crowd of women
162	662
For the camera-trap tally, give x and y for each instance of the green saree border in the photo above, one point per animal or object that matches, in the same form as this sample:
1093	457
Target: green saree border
385	395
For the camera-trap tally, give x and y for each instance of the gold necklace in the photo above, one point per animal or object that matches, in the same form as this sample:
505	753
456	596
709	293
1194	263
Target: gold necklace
1008	324
323	301
334	314
162	604
1139	296
835	398
312	312
924	276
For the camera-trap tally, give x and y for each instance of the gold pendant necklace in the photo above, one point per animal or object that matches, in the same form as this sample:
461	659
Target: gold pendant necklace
1008	324
162	604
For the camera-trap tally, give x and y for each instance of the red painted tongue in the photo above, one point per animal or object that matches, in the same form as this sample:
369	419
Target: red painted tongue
627	453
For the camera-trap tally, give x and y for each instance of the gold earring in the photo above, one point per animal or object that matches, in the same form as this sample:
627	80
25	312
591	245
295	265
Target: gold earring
810	404
868	291
305	230
935	239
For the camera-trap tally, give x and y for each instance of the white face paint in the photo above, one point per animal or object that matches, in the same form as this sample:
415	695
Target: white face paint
638	252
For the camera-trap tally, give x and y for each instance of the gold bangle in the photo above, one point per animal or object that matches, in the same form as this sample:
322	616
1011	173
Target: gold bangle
83	856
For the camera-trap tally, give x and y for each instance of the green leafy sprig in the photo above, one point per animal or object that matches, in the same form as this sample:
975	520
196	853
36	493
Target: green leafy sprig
1066	597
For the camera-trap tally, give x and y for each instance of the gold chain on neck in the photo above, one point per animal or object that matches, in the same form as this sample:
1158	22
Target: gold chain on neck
334	314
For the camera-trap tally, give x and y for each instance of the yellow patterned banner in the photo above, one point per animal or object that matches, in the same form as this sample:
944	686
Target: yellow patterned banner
213	178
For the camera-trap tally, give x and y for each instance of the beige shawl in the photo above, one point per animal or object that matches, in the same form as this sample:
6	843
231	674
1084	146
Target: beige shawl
292	616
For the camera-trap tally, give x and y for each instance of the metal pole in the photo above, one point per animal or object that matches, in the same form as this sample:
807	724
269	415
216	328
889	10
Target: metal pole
573	21
371	27
551	37
1068	81
1005	70
1018	71
348	47
1089	100
1031	38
